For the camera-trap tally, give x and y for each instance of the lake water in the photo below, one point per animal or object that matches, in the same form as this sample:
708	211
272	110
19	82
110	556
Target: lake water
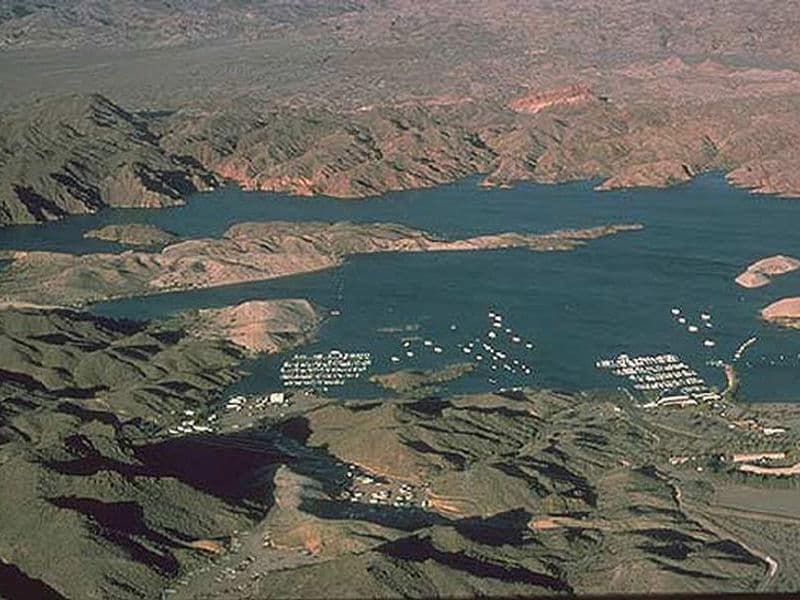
613	295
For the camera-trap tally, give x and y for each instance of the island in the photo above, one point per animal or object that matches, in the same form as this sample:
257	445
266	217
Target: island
761	272
785	311
132	234
246	252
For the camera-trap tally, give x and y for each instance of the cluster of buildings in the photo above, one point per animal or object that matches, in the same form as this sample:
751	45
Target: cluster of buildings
240	402
321	371
194	423
366	488
191	423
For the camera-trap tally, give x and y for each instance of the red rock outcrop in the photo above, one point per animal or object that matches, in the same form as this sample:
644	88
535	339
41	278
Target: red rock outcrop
535	102
785	311
761	272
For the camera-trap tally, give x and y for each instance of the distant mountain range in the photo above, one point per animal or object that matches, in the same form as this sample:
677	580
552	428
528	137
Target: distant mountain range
353	99
65	23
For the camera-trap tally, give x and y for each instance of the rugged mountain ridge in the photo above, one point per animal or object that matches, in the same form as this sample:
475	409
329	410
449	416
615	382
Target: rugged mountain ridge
59	24
527	492
76	154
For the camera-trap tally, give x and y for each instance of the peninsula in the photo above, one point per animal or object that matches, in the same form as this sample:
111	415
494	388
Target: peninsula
256	326
246	252
132	234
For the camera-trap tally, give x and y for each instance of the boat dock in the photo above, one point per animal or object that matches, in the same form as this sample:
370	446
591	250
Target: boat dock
324	370
665	374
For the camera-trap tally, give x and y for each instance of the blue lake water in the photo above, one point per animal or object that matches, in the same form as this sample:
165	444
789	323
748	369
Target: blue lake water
613	295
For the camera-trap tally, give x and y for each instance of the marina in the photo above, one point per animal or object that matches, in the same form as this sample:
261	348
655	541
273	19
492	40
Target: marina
495	351
666	375
611	296
323	371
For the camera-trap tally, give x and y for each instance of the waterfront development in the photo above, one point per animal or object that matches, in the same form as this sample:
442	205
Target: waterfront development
324	371
389	299
601	402
612	296
663	374
667	289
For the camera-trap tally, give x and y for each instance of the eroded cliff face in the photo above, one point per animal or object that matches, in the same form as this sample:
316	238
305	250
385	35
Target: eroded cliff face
537	101
547	136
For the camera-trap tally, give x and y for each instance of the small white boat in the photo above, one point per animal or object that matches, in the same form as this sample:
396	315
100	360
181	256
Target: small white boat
409	354
682	321
428	343
406	344
516	339
676	311
437	349
492	334
395	359
705	316
709	343
693	329
529	346
467	350
452	327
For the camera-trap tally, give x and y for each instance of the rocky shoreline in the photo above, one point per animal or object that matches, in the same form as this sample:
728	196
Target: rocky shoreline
132	234
246	252
151	162
784	312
